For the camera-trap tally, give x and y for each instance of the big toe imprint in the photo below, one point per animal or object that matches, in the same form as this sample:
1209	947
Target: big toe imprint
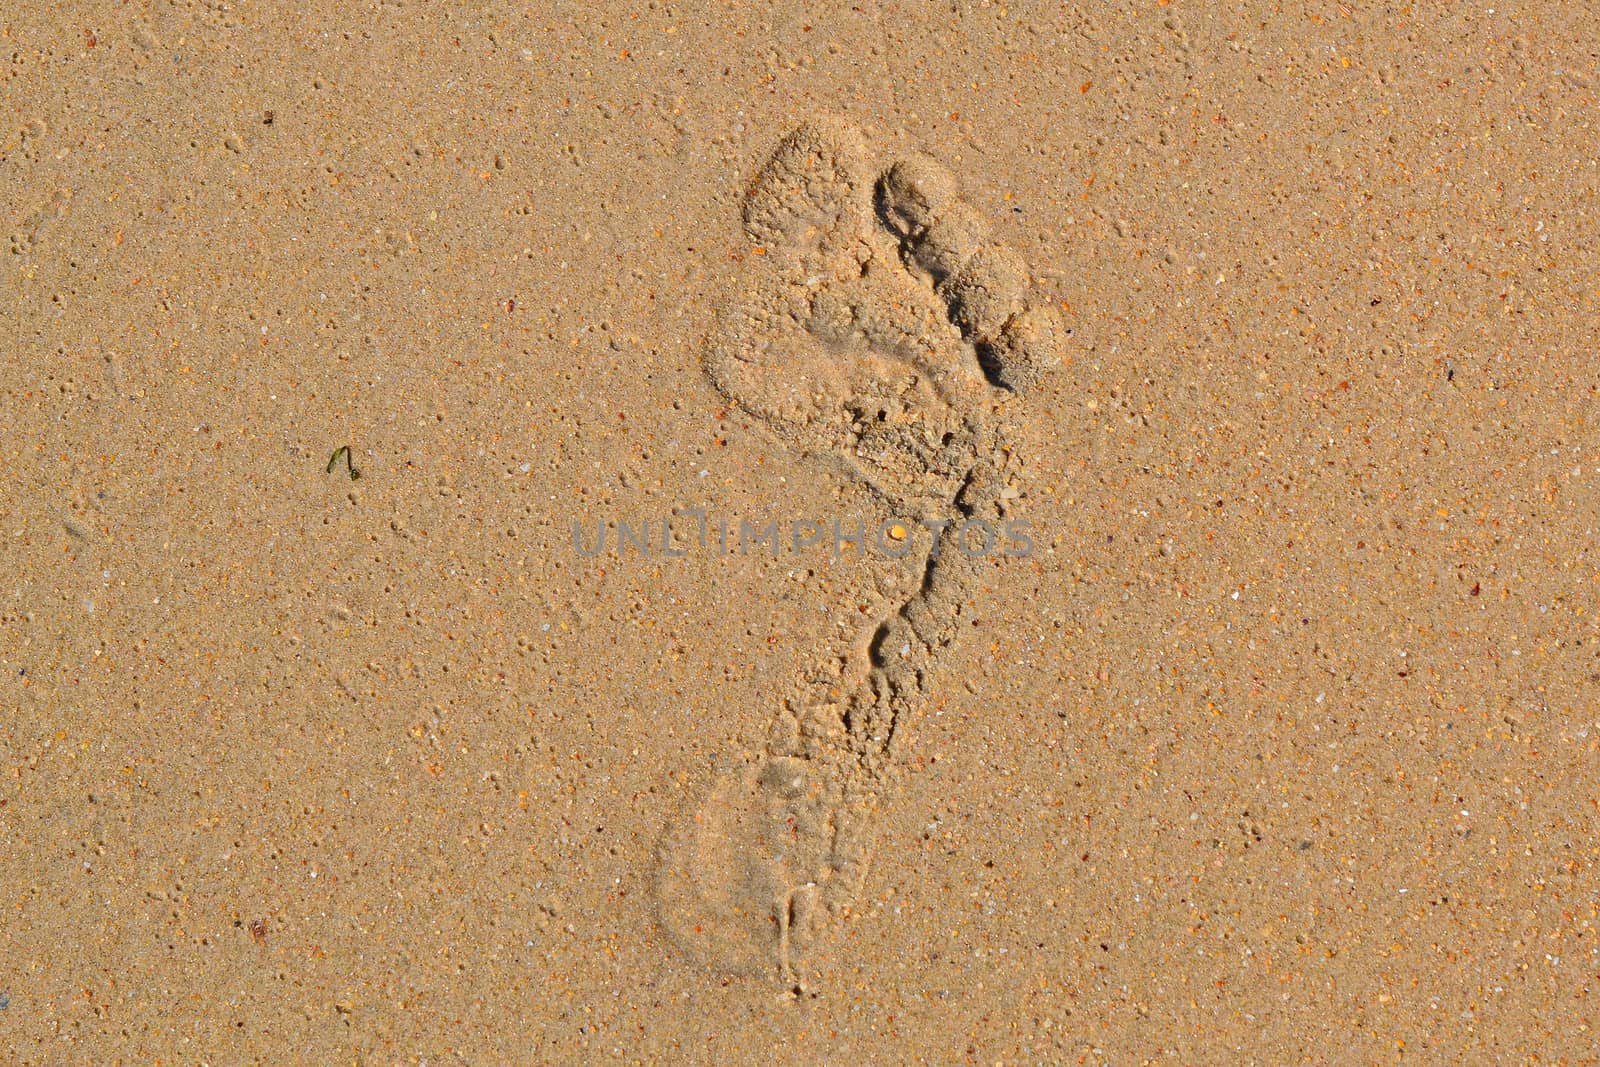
811	191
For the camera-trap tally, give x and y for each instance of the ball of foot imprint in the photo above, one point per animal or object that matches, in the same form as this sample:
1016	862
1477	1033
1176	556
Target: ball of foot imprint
1027	349
949	241
914	193
987	291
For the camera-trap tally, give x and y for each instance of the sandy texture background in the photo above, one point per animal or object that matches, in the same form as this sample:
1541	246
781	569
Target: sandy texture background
1281	749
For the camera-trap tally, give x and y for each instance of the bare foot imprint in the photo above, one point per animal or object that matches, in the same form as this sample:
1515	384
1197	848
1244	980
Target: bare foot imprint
881	330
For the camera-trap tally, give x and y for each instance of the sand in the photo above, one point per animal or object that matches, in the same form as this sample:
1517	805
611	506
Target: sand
1267	737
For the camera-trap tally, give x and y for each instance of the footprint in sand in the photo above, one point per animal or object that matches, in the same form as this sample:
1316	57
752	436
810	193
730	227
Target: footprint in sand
881	329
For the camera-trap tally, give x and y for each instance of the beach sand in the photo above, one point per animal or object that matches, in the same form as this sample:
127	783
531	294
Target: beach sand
1279	746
